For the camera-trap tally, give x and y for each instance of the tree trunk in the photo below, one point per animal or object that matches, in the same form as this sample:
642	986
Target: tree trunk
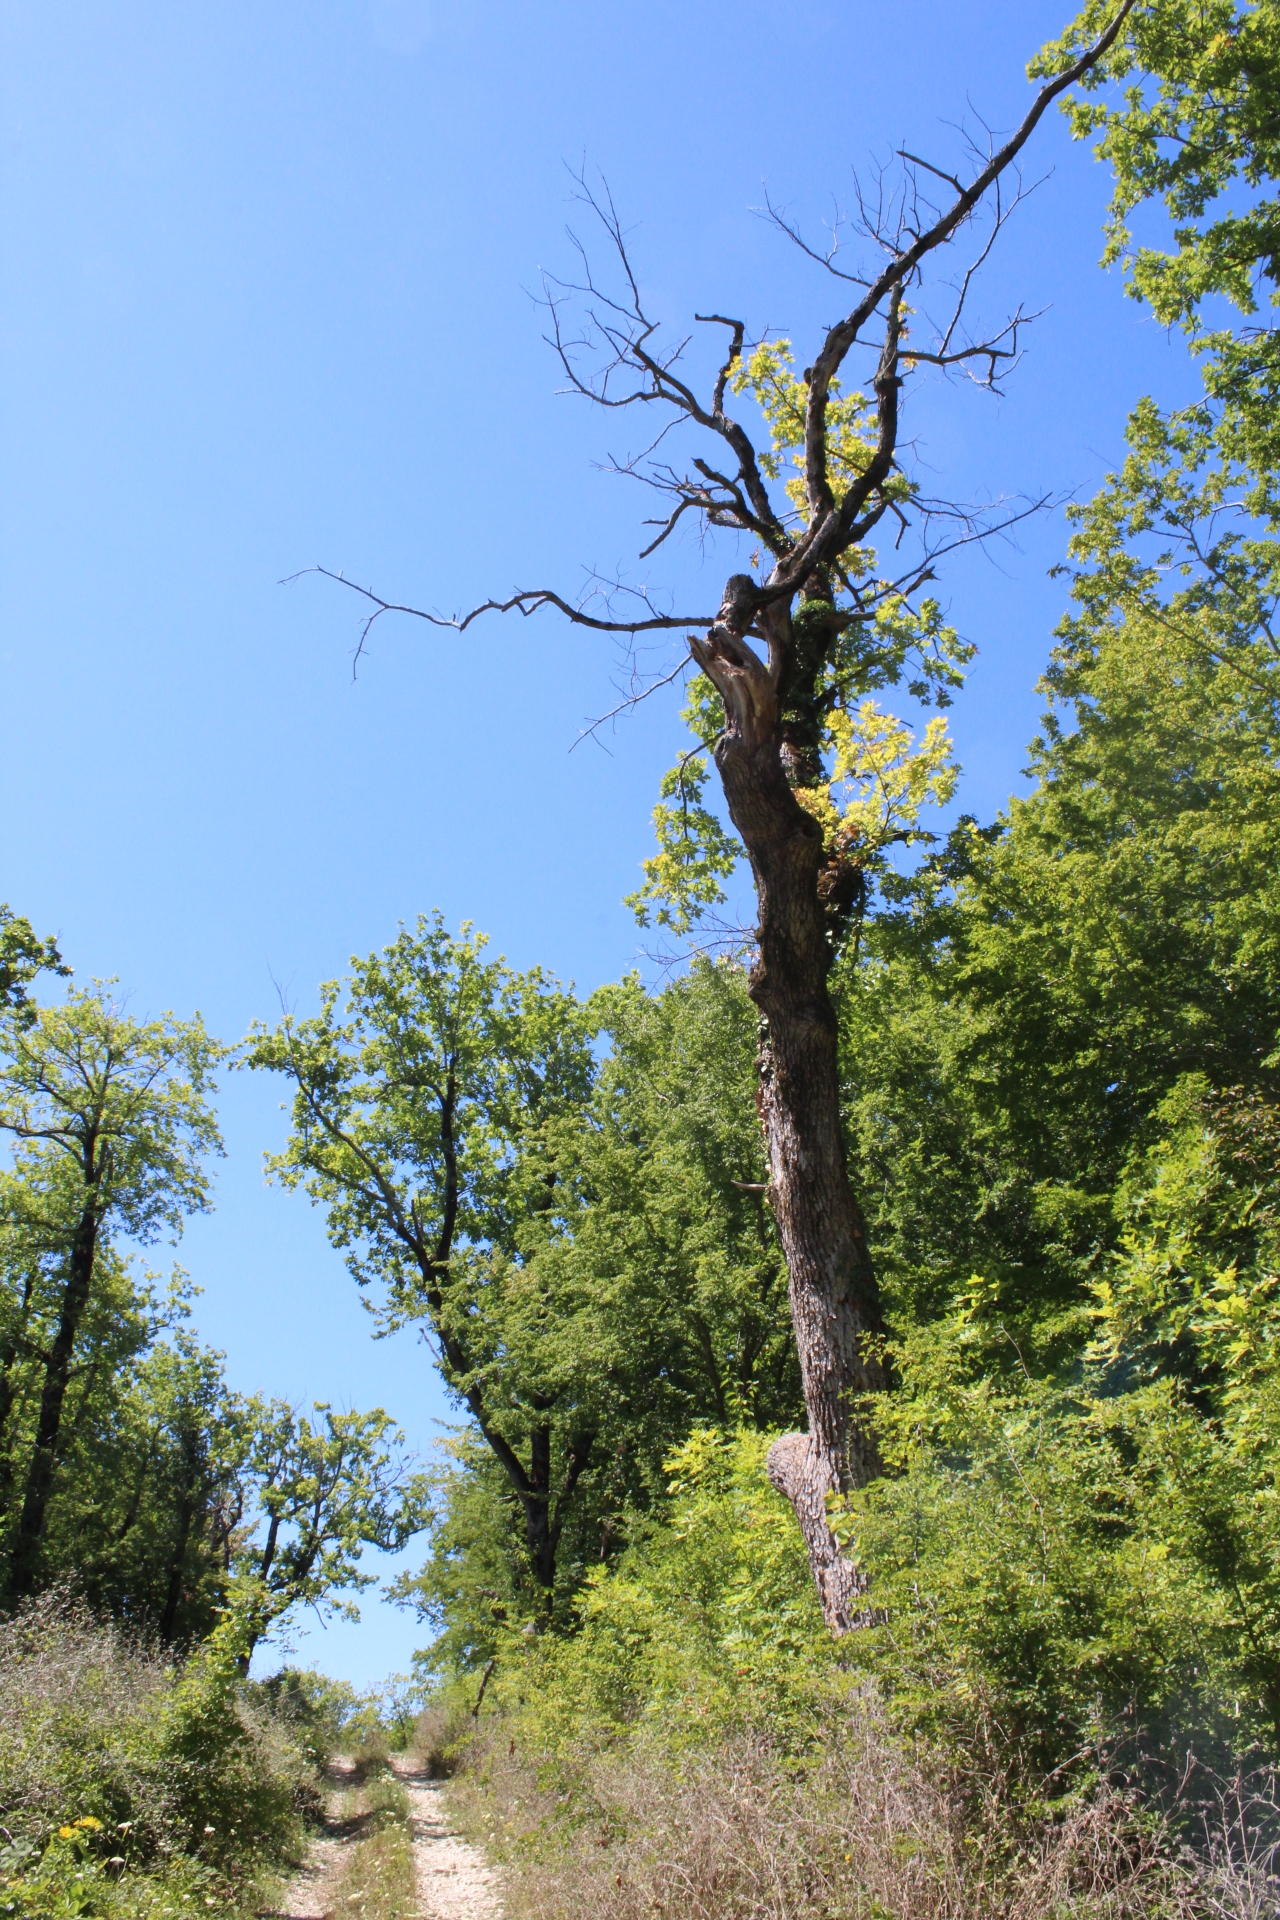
35	1505
545	1506
8	1389
835	1304
191	1506
536	1501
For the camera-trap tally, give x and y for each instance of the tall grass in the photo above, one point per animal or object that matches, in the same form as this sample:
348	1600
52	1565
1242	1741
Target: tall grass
863	1832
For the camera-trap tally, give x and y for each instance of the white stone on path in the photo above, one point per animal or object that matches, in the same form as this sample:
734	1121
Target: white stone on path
454	1882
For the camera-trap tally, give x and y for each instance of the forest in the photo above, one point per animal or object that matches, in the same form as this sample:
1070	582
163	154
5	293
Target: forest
861	1327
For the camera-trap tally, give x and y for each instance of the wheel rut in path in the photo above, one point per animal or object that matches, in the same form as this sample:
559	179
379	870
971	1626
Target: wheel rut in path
314	1891
454	1881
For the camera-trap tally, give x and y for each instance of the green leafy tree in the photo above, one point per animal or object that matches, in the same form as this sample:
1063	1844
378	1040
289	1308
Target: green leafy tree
144	1493
119	1323
195	1498
22	956
664	1230
315	1492
1189	124
113	1128
1093	1556
591	1248
150	1495
660	1290
414	1119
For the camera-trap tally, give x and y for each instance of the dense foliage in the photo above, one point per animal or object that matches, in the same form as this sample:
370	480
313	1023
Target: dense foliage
131	1785
1060	1060
1060	1077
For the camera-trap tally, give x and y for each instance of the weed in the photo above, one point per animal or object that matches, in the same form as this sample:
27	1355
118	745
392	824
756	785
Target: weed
862	1832
378	1881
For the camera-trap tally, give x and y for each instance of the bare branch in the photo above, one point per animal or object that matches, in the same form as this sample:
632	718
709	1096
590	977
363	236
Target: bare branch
989	350
631	370
916	161
528	601
669	525
734	354
632	700
627	341
825	524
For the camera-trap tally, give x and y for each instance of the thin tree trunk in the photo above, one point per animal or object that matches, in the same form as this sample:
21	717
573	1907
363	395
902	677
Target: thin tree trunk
192	1505
9	1352
35	1505
835	1306
537	1516
545	1507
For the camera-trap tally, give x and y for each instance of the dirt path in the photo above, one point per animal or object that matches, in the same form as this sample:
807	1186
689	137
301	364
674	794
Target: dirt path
453	1881
312	1894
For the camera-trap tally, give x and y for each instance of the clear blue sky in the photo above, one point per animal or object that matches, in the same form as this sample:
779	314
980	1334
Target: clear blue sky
264	303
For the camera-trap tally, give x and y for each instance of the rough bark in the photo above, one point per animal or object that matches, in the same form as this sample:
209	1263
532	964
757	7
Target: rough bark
835	1304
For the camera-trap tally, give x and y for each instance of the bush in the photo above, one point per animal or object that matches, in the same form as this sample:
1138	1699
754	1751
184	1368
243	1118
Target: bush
321	1712
708	1623
442	1732
124	1776
331	1716
1082	1573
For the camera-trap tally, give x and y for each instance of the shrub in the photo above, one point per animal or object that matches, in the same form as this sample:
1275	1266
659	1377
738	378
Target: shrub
123	1775
701	1747
331	1716
1080	1572
442	1732
708	1622
321	1712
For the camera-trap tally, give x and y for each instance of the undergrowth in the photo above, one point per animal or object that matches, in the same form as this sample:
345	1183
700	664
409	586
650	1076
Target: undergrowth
864	1831
133	1784
700	1749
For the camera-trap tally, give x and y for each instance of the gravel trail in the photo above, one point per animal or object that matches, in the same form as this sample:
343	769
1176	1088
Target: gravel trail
454	1882
312	1894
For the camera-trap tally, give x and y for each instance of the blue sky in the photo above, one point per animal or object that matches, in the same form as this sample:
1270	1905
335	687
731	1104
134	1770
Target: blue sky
265	302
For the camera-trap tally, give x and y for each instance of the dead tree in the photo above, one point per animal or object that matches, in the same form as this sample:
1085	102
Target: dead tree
776	651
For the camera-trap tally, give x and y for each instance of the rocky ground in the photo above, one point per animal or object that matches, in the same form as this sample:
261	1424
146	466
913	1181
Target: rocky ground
453	1881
